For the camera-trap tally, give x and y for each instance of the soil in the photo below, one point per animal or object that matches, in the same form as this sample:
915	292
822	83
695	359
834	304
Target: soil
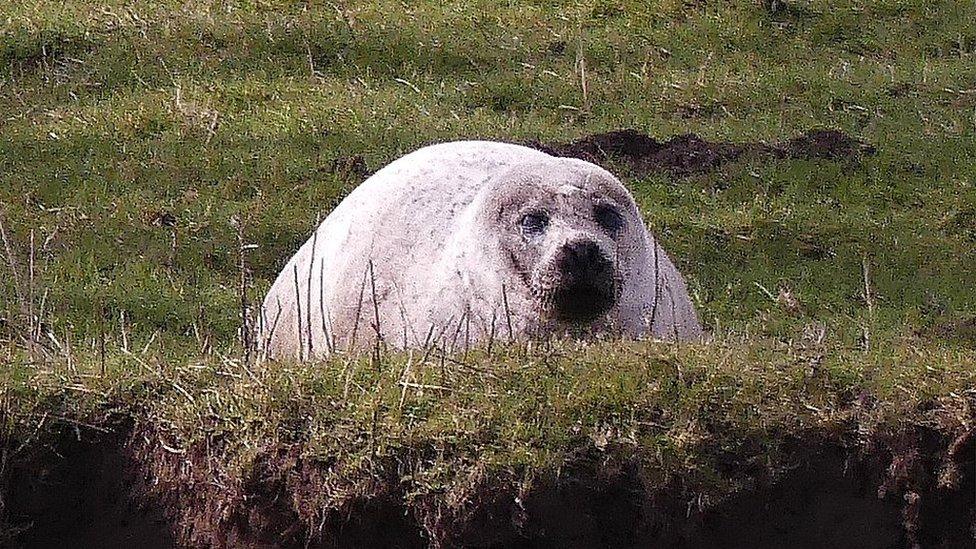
121	488
76	492
689	154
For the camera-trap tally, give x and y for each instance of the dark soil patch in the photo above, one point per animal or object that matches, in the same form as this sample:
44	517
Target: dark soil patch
826	144
825	502
77	493
690	154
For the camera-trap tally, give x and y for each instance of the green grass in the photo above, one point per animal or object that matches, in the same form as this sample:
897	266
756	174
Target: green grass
113	113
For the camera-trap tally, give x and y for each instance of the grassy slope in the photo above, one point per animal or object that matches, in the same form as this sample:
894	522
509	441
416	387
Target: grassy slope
111	114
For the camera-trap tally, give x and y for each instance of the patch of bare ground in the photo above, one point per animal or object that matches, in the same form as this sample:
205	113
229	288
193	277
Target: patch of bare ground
689	154
910	488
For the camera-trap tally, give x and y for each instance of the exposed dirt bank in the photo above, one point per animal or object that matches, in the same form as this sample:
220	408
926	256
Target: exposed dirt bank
76	491
114	489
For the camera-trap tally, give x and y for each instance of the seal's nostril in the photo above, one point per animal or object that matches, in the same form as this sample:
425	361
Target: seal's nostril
581	257
592	252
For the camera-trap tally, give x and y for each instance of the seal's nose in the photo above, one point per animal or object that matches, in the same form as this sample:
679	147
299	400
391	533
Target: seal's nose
586	288
582	260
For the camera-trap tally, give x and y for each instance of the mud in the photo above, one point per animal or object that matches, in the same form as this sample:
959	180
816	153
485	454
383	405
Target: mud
689	154
123	488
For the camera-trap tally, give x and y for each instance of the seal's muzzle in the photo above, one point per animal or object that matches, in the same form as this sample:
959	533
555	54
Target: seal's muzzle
586	288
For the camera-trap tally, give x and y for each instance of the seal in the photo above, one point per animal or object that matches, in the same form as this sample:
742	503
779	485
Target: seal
472	241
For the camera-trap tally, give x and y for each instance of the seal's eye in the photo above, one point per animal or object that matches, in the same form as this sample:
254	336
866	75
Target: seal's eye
608	217
534	223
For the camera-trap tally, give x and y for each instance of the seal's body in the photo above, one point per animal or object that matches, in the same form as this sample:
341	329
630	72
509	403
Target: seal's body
464	242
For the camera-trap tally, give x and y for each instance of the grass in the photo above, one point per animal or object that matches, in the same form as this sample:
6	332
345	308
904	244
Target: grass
117	113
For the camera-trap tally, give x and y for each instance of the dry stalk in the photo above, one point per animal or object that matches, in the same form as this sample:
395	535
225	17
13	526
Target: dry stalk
491	333
374	420
125	336
869	299
581	63
457	331
443	368
14	269
308	293
428	344
152	338
312	72
298	314
403	317
259	332
270	334
67	352
508	312
359	310
101	338
40	314
443	347
173	241
424	386
244	282
467	333
326	320
347	372
203	334
868	292
443	356
31	321
376	317
403	379
657	288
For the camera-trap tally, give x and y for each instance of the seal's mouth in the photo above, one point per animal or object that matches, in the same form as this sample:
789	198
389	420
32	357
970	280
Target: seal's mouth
582	285
582	302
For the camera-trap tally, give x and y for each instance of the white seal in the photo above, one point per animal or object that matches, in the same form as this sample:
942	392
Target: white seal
465	242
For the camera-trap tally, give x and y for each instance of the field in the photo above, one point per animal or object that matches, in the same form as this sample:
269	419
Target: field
158	159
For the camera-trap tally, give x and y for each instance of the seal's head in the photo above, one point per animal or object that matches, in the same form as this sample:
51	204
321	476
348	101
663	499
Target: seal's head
565	227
